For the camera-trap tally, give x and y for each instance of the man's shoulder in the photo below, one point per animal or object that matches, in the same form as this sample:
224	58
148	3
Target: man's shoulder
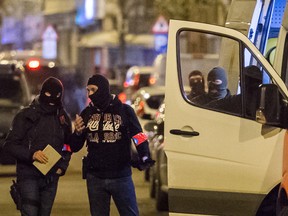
30	112
127	108
25	111
26	114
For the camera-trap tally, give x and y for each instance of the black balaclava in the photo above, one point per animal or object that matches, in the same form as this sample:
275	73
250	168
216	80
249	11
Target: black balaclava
217	83
55	88
196	83
102	97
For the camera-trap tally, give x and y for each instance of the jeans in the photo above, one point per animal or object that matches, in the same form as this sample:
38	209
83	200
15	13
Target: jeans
38	195
121	190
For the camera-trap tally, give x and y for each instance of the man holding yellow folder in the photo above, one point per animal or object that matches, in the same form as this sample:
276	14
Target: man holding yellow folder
36	130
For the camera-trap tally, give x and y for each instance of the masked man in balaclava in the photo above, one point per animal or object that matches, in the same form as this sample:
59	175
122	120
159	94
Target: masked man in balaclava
251	80
217	87
107	126
196	83
43	122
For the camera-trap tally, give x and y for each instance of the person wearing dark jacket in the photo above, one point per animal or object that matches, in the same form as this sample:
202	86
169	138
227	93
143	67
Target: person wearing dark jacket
107	126
43	122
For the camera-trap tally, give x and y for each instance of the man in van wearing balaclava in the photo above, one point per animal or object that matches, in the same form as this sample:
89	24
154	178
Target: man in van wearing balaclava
196	83
217	87
251	80
43	122
107	126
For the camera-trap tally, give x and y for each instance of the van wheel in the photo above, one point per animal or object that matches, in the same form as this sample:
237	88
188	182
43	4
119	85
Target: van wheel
282	204
268	205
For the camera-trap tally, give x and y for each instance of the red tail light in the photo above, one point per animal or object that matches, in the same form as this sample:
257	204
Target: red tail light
125	84
33	64
152	80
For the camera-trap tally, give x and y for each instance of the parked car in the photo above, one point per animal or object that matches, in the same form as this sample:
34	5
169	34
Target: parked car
158	173
14	94
136	78
37	68
147	100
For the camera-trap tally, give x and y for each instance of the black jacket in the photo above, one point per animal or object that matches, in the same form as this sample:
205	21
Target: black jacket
32	129
108	135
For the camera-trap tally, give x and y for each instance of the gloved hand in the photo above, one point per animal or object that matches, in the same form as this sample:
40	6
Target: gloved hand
143	164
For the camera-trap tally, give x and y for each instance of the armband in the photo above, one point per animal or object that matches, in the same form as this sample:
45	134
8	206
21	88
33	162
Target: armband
66	147
139	138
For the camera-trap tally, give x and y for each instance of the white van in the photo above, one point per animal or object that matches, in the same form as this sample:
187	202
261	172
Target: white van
227	161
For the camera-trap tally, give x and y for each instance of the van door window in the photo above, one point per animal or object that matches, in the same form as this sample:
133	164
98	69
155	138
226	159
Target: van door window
219	73
205	76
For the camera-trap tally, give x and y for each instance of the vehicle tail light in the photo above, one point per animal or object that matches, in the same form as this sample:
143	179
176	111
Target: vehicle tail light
125	84
33	64
152	80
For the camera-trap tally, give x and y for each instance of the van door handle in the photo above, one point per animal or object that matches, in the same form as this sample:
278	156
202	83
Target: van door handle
185	133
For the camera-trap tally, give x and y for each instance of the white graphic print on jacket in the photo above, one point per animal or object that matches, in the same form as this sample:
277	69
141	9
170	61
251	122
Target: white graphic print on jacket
111	124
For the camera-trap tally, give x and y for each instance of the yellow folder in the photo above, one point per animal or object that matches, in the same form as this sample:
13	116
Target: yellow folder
53	158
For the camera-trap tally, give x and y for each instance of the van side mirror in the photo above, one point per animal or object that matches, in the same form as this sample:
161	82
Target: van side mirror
269	108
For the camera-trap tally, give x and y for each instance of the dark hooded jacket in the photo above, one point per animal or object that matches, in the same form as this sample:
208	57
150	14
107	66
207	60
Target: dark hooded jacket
32	129
108	134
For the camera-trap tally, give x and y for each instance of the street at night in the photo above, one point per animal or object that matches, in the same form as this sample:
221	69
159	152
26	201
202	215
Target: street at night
207	80
72	198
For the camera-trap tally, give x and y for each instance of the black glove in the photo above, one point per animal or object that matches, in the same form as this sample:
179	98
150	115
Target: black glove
143	165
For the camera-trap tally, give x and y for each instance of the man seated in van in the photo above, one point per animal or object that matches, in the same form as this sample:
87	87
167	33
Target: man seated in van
196	83
217	87
252	77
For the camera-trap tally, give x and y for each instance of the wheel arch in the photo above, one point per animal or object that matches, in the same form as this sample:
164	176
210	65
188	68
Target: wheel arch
268	204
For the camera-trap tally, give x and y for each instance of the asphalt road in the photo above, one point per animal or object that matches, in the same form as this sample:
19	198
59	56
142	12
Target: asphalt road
72	197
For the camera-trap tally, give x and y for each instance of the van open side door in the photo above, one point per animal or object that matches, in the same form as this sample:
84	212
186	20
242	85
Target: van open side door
221	161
